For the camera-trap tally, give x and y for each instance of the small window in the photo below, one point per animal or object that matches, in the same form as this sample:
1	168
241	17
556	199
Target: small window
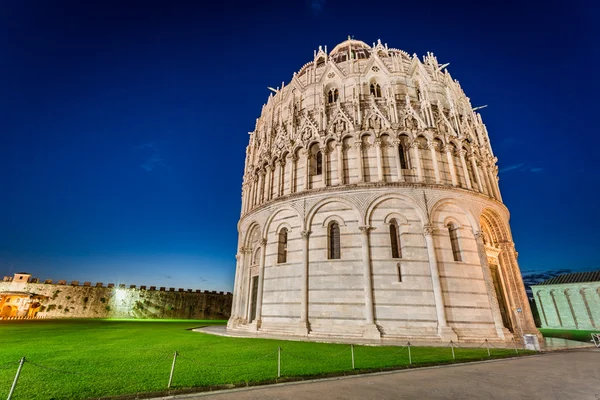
399	270
332	96
402	155
453	232
375	90
319	163
395	240
282	247
334	241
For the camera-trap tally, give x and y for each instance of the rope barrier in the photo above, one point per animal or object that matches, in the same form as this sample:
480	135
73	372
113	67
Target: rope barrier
225	366
62	371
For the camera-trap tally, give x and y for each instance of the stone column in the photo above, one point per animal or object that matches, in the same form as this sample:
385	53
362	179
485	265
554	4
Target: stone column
253	188
417	157
293	163
306	169
324	171
556	308
587	307
489	285
340	154
371	330
269	182
303	326
444	331
261	277
281	177
541	307
461	154
476	172
361	172
236	293
448	150
490	180
399	176
261	189
570	303
436	168
378	149
486	178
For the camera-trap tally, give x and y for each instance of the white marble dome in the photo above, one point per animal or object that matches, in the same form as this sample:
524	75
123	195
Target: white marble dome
371	208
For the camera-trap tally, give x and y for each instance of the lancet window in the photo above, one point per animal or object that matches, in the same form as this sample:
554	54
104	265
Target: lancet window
395	240
332	96
334	241
375	90
319	163
282	246
453	233
402	155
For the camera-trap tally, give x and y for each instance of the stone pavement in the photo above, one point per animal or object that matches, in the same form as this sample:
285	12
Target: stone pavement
566	375
220	330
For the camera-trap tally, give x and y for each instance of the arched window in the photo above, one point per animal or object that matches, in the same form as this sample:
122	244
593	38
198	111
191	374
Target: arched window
453	232
319	163
332	96
334	241
282	247
402	155
395	240
375	90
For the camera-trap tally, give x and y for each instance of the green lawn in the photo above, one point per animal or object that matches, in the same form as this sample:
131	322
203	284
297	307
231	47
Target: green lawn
572	334
79	359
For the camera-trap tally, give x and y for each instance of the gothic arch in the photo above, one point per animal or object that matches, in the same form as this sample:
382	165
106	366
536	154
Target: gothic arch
495	226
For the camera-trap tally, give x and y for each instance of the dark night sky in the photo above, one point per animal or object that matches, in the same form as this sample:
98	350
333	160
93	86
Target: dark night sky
116	116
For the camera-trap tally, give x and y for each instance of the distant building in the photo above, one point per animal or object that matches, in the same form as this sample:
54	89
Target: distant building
569	301
371	208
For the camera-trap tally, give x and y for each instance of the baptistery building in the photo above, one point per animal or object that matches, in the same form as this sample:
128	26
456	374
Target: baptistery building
371	208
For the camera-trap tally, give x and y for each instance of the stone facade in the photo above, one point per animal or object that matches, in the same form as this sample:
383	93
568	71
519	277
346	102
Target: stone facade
371	208
569	305
23	297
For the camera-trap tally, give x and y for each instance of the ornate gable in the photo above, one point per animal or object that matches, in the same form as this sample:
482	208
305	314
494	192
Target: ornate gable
340	122
375	118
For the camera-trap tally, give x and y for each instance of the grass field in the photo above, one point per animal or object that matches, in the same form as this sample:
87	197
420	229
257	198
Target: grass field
81	359
582	336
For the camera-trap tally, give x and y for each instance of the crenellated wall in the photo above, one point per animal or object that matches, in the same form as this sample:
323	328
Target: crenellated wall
26	297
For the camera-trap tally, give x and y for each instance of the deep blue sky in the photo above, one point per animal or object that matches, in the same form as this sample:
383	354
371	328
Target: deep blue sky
116	116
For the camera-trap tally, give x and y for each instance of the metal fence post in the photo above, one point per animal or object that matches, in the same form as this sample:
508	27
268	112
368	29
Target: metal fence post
14	385
352	352
172	370
487	344
452	347
279	362
409	356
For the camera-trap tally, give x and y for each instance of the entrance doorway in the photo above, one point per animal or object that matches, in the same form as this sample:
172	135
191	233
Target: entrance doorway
253	298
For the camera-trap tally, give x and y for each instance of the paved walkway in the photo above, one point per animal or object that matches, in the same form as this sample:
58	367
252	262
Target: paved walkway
221	330
565	375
